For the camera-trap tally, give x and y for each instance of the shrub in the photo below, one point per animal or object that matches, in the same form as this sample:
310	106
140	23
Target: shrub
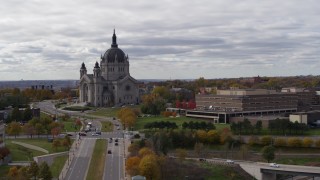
280	142
307	142
253	140
294	142
317	143
266	140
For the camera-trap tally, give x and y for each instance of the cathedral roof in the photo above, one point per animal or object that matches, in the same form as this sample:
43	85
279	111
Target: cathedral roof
114	54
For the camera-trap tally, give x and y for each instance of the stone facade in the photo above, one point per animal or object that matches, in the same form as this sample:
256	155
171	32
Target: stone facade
111	83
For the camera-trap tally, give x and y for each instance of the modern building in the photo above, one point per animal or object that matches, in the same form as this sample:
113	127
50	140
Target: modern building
311	118
111	83
243	102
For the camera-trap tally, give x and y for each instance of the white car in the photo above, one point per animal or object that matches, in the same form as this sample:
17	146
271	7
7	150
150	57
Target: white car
230	161
95	134
275	165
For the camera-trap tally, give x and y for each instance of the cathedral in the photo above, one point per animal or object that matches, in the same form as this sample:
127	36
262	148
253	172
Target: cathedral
111	83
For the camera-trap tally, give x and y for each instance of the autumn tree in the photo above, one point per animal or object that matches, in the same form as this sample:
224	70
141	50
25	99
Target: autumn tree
127	117
149	167
33	170
13	172
202	136
29	129
14	128
44	171
145	151
132	165
213	137
56	143
266	140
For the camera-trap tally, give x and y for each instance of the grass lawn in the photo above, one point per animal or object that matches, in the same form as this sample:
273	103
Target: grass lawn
43	143
4	171
178	120
221	172
298	161
20	153
69	126
106	112
57	165
106	126
97	162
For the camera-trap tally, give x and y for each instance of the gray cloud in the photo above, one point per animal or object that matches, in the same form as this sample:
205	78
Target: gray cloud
177	39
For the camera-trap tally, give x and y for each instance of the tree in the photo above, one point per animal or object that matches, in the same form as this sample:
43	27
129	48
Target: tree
13	172
39	129
29	129
14	128
44	171
127	117
16	114
202	136
145	151
268	153
66	142
259	126
149	168
133	149
56	143
27	114
213	137
132	165
33	170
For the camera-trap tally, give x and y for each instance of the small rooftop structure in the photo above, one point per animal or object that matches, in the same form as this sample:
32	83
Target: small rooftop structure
138	177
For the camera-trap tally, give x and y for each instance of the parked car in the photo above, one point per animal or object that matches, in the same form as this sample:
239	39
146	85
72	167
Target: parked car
230	161
275	165
201	159
82	134
95	134
116	140
98	132
109	151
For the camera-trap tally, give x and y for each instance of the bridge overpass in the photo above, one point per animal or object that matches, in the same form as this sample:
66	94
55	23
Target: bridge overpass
262	171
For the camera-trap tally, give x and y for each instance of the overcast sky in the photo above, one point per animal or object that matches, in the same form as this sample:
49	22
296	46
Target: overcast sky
177	39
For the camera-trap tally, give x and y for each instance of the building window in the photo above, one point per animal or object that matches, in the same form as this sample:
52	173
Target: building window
128	88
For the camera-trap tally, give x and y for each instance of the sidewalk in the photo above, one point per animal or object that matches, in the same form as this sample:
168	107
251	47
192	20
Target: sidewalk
30	146
72	153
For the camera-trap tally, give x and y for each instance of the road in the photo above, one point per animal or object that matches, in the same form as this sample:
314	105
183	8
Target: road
114	164
114	168
80	164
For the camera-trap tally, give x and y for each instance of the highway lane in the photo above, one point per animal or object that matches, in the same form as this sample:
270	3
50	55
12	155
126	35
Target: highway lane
114	169
80	163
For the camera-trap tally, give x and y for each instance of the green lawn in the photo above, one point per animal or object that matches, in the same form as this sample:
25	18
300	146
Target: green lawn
298	161
69	126
178	120
20	153
4	171
43	143
106	112
97	162
221	172
57	165
106	126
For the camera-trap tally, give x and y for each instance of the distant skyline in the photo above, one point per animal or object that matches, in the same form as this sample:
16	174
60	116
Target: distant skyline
181	39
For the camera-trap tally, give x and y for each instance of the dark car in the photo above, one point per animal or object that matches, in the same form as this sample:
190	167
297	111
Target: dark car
82	134
201	159
109	151
116	140
98	132
116	144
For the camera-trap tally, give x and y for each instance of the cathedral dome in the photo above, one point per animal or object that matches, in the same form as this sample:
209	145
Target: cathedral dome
114	54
